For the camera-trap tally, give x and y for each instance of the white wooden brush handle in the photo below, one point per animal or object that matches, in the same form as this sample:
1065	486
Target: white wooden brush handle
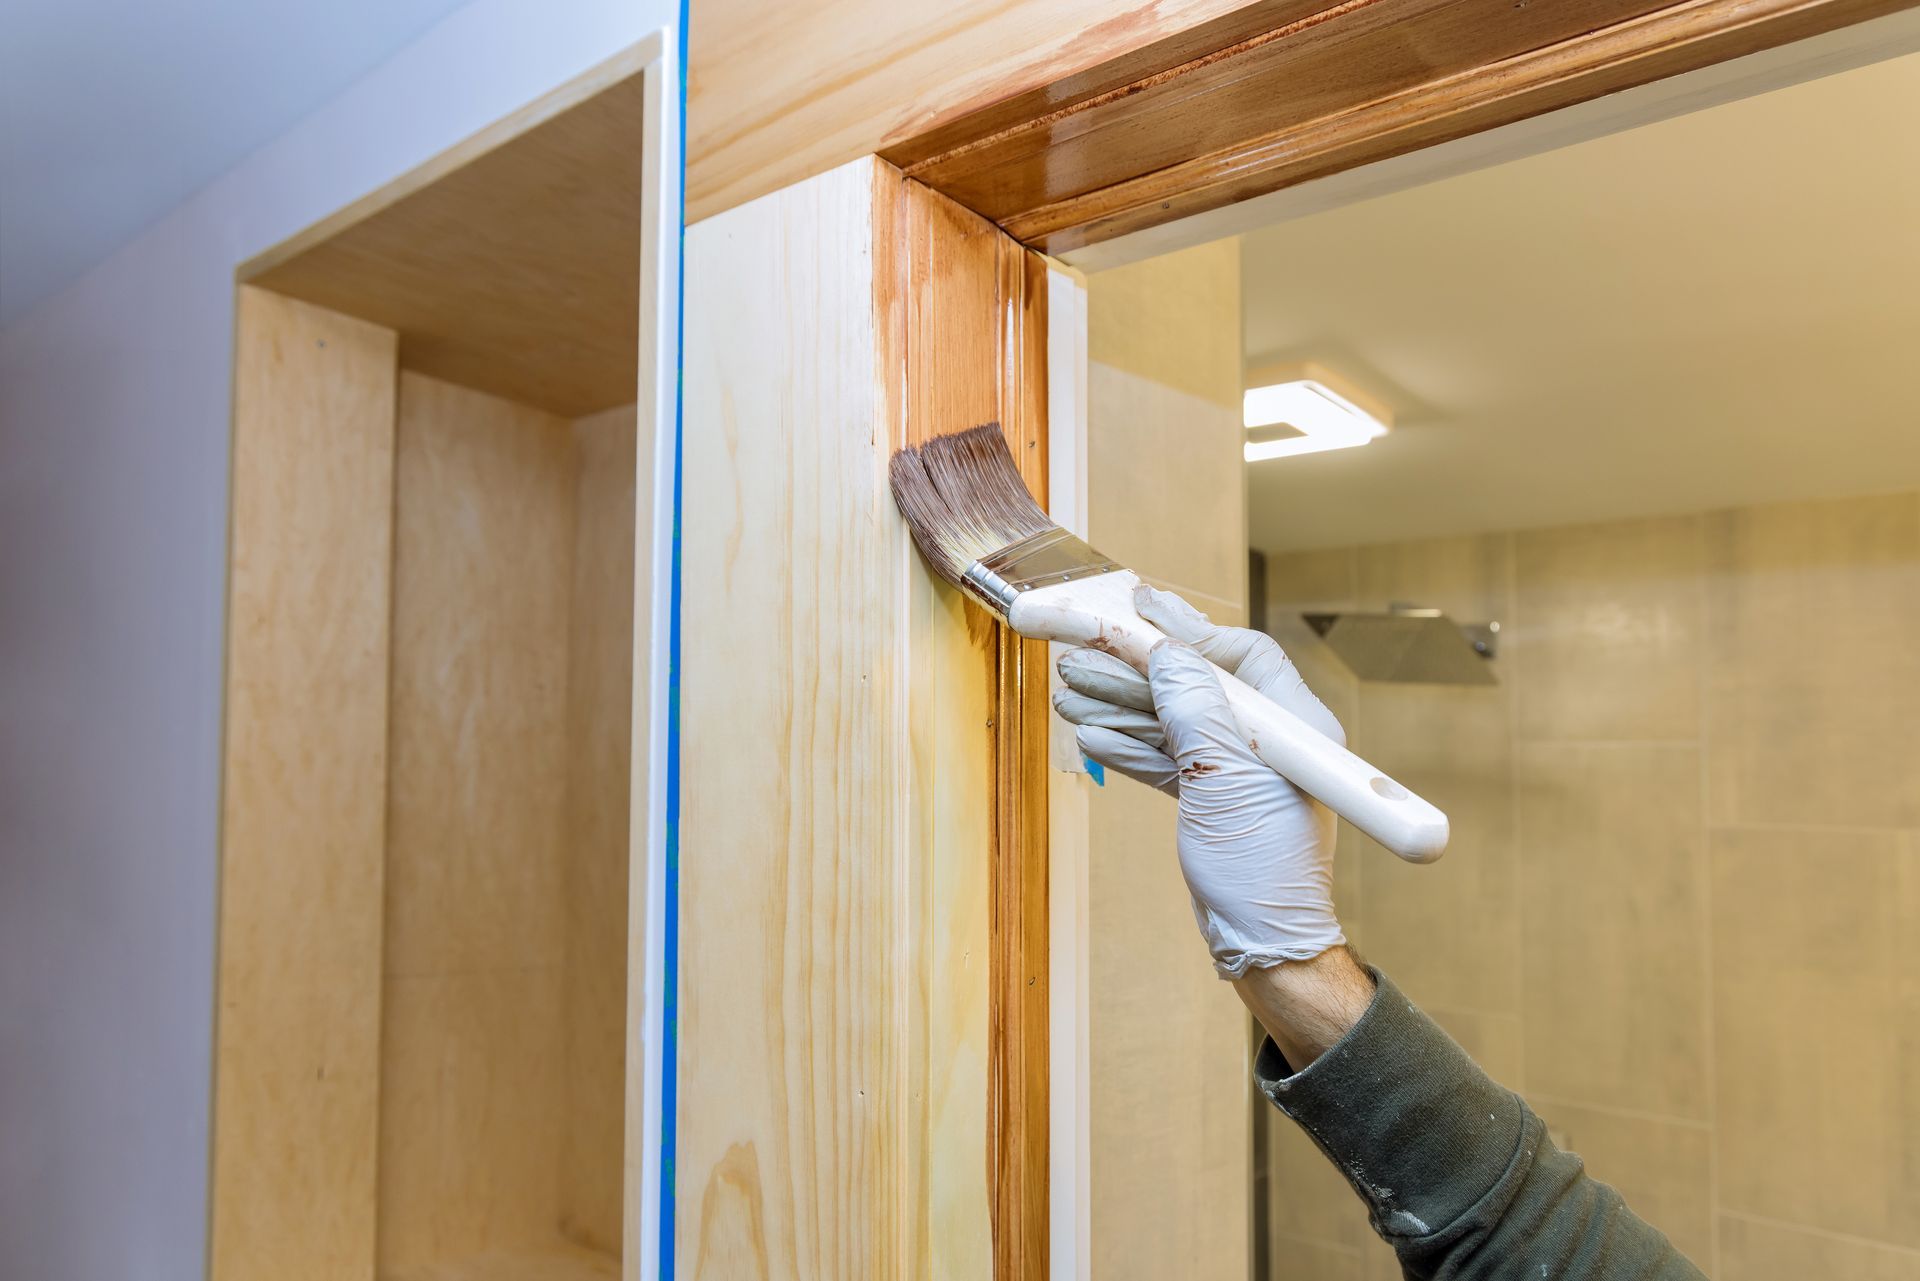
1099	612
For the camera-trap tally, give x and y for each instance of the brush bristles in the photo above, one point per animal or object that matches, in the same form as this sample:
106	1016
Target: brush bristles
963	499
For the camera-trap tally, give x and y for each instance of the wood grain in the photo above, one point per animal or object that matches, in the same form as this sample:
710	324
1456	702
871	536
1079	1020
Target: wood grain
802	1002
1316	93
601	691
558	1262
863	993
503	1041
303	804
477	817
779	93
975	351
511	263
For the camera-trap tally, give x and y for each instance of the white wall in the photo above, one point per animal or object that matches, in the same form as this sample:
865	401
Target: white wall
113	482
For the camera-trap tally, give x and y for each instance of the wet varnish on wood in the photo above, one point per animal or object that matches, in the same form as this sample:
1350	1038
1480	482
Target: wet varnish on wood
863	991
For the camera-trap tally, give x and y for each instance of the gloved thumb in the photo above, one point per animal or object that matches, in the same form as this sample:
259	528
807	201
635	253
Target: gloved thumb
1193	709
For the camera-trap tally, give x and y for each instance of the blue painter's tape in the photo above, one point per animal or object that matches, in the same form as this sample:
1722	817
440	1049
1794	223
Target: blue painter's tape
1095	770
670	914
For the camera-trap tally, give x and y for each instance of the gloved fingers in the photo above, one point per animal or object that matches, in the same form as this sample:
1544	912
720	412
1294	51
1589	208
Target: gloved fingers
1266	667
1202	733
1172	615
1254	657
1124	754
1079	709
1102	676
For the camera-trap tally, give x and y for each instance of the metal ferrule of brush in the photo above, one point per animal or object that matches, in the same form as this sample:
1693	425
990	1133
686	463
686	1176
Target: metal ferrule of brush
1038	560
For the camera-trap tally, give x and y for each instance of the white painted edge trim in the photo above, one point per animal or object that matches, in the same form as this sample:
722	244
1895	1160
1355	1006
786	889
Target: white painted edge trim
1066	452
1859	45
659	395
1069	1186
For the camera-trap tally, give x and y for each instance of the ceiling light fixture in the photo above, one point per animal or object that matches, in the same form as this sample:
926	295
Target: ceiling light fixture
1304	408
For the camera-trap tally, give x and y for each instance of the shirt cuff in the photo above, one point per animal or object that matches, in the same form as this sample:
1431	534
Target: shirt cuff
1422	1134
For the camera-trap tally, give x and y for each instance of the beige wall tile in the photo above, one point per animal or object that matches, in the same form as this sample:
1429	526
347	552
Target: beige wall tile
1754	1251
1171	1099
1467	577
1663	1168
1606	630
1293	1259
1817	1018
1301	582
1166	494
1378	1262
1166	490
1298	582
1351	848
1307	1197
1174	319
1296	1260
1612	908
1447	932
1813	610
1313	580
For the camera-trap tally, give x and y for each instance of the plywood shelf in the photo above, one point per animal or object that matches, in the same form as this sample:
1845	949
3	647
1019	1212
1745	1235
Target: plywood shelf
511	264
421	1068
561	1261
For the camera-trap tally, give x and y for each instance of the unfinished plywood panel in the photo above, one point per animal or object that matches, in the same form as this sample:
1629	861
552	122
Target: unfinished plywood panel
599	712
801	1153
435	549
304	795
511	263
472	1047
556	1263
842	943
1170	1130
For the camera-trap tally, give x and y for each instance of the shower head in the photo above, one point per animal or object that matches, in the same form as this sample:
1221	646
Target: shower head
1408	644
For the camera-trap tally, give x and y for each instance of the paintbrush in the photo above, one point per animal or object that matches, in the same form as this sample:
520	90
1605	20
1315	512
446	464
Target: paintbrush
979	529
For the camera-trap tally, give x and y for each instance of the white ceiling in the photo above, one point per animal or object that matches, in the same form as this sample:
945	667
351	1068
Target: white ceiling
114	111
1718	309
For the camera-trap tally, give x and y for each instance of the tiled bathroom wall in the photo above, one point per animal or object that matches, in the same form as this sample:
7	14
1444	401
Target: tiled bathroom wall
1168	1092
1681	910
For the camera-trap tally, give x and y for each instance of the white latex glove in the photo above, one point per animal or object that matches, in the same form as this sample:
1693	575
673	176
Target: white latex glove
1256	852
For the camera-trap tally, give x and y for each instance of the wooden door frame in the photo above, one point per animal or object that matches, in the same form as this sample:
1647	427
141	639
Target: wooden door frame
1286	91
1016	163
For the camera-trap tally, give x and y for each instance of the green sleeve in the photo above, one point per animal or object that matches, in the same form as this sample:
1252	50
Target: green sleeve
1458	1174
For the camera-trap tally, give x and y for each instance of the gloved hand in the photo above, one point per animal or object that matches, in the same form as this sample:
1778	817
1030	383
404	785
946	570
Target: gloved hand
1256	852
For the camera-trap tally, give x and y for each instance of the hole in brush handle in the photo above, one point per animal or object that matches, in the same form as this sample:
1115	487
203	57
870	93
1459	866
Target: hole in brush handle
1384	786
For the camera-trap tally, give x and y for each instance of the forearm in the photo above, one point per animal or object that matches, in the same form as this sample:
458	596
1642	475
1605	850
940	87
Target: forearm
1308	1006
1458	1174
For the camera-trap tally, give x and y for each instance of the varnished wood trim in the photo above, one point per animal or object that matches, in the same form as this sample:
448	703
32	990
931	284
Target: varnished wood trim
1019	1017
1248	119
962	310
1122	76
